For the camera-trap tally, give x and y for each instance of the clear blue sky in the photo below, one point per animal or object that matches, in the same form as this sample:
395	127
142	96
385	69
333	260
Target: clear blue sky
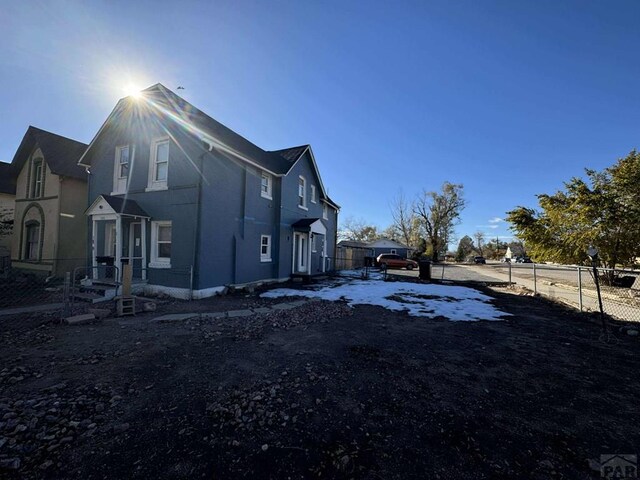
509	98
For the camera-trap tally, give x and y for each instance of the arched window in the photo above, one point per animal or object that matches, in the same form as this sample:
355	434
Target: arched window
32	240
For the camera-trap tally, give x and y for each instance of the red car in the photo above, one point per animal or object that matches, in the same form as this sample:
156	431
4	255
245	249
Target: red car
391	260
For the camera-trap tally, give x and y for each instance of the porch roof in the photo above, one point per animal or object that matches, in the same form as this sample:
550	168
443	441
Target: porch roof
304	224
118	205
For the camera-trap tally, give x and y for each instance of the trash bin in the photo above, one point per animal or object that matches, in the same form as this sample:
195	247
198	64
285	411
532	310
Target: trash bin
425	269
106	261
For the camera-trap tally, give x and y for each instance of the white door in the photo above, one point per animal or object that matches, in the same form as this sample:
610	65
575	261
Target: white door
301	252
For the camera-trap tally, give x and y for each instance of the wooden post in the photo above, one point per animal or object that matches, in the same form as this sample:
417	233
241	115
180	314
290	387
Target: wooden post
127	279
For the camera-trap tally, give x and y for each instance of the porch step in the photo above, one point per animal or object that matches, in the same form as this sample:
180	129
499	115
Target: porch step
90	297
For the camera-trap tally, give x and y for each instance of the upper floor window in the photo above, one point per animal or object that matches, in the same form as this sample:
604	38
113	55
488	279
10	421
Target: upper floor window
314	198
266	185
159	164
37	179
121	169
302	192
325	211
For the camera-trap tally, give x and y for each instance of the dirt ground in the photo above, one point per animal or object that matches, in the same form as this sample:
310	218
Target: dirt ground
320	391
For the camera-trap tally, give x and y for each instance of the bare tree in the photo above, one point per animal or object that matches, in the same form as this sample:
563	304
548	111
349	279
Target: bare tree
402	212
480	239
439	213
357	230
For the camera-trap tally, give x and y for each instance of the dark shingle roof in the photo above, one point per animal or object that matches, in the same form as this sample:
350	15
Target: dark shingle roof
8	177
125	206
352	244
60	153
304	223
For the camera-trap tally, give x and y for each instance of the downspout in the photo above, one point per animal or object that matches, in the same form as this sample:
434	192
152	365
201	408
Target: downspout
89	221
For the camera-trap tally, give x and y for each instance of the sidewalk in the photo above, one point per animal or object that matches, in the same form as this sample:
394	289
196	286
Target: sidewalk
32	309
566	294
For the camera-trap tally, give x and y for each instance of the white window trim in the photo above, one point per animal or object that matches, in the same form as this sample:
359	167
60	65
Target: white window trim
38	181
116	169
304	193
269	193
159	262
325	211
313	194
154	185
265	257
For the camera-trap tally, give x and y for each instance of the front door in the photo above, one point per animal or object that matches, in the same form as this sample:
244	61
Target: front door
300	252
135	249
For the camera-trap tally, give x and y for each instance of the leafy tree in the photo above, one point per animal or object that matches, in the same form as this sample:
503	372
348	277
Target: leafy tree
602	210
465	248
439	212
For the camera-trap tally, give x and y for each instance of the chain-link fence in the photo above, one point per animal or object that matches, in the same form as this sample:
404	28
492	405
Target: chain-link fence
31	287
574	285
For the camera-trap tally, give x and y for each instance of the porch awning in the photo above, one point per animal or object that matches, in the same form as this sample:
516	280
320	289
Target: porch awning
313	225
304	224
108	204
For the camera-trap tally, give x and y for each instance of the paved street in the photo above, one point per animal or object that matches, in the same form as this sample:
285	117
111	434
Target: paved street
553	281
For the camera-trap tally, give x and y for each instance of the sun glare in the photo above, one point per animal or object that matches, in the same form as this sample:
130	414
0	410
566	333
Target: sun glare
131	90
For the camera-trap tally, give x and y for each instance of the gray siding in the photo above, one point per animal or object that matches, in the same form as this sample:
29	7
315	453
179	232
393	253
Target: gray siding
177	203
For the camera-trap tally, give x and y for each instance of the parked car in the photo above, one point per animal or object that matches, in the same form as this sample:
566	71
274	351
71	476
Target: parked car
479	260
391	260
523	260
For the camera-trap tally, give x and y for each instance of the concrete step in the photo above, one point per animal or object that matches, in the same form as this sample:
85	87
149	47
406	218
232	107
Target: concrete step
91	297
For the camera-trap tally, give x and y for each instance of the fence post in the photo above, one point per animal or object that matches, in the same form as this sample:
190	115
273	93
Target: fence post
580	287
535	280
442	277
66	292
191	282
510	282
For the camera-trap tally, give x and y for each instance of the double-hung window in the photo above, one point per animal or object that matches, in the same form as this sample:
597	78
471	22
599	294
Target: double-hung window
302	193
38	174
160	244
159	164
32	243
265	248
122	169
313	194
325	211
266	185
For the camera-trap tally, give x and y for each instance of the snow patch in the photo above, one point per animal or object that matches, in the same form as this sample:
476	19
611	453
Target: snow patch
420	300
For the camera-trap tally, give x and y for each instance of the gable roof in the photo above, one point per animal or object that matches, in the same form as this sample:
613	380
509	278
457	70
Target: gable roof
353	244
60	153
8	177
386	242
122	206
167	104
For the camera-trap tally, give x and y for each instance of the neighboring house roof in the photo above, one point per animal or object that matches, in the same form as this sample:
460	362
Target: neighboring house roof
60	153
215	134
385	243
8	177
353	244
516	250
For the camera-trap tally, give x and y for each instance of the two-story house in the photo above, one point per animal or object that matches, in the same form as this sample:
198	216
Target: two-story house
49	227
195	207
